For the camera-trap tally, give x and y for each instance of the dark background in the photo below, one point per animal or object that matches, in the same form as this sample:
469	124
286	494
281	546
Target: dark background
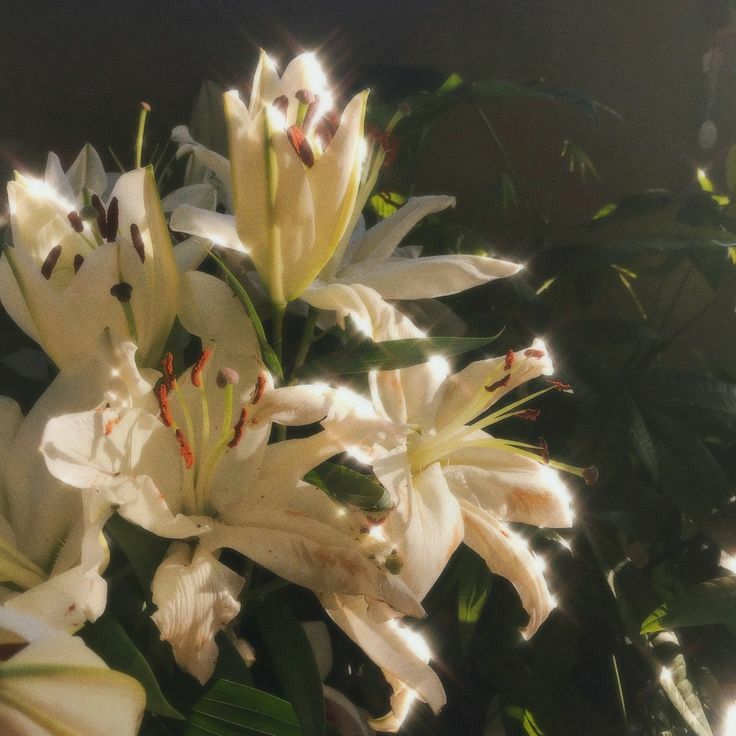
75	71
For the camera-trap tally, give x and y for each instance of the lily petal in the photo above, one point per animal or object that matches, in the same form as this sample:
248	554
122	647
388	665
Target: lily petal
196	596
213	226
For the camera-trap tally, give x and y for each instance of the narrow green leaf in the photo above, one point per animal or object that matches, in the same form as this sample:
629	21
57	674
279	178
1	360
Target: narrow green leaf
712	602
143	549
294	662
392	354
108	639
473	586
269	356
230	709
349	487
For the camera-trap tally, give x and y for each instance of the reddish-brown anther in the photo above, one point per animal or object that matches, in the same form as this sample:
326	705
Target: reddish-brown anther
301	145
75	221
281	103
544	449
590	475
198	367
110	424
499	384
162	396
50	262
169	375
509	361
309	116
560	386
112	220
238	429
531	415
534	353
101	215
184	450
137	240
327	126
258	389
78	261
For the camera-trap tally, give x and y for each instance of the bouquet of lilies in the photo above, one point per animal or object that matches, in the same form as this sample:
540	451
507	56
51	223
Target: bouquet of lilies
174	412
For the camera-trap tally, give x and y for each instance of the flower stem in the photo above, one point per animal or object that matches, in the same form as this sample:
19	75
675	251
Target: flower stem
306	342
278	312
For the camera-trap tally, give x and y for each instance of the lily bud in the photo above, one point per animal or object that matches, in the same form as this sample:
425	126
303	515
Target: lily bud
293	191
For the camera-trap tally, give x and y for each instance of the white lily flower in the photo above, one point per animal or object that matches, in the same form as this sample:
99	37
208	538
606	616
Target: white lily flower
72	272
452	482
52	684
295	172
190	459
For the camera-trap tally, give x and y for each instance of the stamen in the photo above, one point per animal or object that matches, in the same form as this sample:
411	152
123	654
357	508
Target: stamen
499	384
560	386
50	262
327	127
78	261
75	221
258	389
169	374
544	449
110	424
226	377
510	356
590	475
162	396
122	291
534	353
112	220
394	563
309	116
184	450
530	415
306	98
101	215
198	367
238	429
137	240
301	145
281	103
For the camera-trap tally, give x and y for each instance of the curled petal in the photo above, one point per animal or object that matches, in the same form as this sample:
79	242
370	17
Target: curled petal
196	596
507	554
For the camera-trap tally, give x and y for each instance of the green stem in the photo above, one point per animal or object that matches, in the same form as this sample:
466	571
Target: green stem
306	342
278	311
142	115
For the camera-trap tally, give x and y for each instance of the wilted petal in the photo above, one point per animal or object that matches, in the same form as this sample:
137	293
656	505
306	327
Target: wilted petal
56	685
508	555
382	239
196	597
422	278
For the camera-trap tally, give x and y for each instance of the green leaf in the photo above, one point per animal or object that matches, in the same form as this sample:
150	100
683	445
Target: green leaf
269	356
391	354
526	719
349	487
143	549
473	586
294	662
107	638
384	204
230	709
713	602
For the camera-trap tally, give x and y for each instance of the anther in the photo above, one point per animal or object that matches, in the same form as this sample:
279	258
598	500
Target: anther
544	449
112	220
78	261
509	361
281	103
226	377
499	384
137	240
198	367
310	114
327	127
258	389
238	429
101	215
531	415
301	145
534	353
110	425
75	221
590	475
122	291
305	96
50	262
162	396
169	375
560	386
184	450
394	563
